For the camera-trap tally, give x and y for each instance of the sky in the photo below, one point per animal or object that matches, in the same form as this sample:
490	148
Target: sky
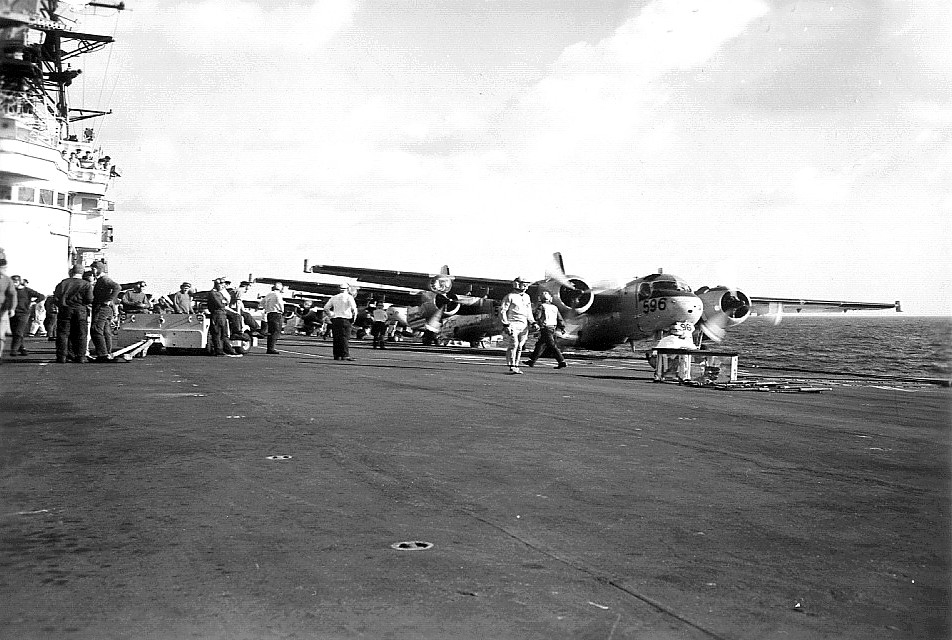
791	148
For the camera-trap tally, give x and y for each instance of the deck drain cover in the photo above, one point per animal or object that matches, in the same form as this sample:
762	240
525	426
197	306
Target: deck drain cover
279	457
412	545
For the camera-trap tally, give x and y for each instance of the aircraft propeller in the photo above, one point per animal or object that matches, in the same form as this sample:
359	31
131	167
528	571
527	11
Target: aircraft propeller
715	331
439	305
731	307
556	271
778	316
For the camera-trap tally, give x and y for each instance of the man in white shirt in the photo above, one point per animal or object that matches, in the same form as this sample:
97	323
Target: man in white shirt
379	327
273	308
342	310
515	312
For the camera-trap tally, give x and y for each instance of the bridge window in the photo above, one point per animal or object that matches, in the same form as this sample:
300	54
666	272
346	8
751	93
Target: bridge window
6	192
26	194
90	204
46	196
61	200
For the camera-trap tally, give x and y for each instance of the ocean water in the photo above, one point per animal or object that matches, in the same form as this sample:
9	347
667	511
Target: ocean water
891	346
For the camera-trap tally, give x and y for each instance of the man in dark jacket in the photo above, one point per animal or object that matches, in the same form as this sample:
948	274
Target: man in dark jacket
73	296
49	323
551	323
105	298
20	321
218	329
8	300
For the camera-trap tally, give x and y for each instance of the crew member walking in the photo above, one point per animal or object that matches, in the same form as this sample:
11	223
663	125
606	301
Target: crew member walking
550	322
73	296
515	312
342	310
105	298
273	307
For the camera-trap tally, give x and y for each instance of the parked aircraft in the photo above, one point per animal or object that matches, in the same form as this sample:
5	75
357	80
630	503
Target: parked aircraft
466	308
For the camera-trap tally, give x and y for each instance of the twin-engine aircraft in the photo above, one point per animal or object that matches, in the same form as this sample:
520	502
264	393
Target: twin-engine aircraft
447	307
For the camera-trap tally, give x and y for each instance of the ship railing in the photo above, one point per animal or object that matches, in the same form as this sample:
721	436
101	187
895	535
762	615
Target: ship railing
85	157
99	176
25	119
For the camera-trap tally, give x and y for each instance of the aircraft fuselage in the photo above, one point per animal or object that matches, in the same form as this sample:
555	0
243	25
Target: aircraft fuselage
643	308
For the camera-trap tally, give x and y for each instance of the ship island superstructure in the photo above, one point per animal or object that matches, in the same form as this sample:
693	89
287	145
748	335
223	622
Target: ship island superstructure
54	177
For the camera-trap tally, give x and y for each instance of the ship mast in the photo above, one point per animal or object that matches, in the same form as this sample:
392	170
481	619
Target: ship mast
44	70
54	55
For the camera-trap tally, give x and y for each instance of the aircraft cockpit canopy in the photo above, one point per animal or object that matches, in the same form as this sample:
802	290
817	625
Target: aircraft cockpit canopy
663	284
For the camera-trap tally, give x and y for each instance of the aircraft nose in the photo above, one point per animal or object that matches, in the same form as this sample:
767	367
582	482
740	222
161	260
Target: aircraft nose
690	308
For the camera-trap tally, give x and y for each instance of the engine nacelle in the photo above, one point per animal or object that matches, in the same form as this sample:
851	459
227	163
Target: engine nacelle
724	307
577	298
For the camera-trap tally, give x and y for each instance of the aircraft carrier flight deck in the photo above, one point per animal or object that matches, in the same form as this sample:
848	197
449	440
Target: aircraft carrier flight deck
426	494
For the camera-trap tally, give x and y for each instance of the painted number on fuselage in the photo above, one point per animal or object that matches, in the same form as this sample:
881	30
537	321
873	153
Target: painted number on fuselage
655	304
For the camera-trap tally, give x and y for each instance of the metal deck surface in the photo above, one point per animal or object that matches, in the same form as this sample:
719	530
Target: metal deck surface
267	497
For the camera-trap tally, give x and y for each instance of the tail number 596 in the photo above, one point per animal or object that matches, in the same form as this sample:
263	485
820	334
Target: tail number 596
655	304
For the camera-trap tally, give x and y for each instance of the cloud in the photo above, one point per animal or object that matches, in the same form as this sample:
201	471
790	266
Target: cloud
601	93
812	186
238	28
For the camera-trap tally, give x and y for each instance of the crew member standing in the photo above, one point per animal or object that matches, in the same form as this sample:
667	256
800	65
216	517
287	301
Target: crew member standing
49	323
37	320
218	330
515	312
105	298
8	300
21	314
73	296
550	322
273	308
379	327
342	310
